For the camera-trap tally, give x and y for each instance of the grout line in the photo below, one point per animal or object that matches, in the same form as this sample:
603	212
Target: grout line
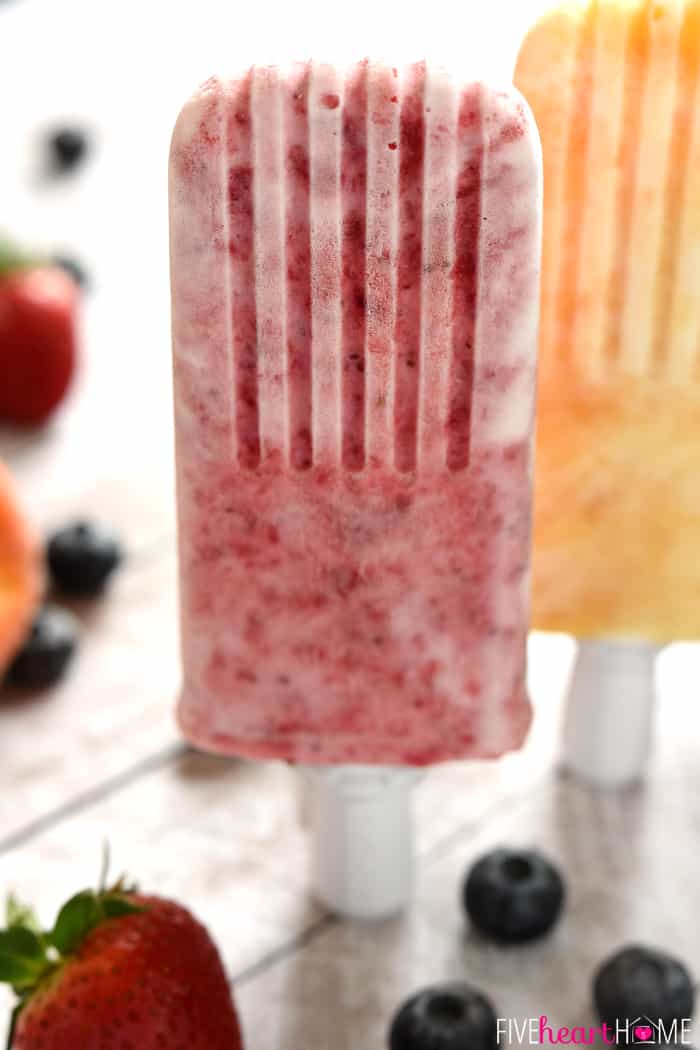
328	921
79	803
289	948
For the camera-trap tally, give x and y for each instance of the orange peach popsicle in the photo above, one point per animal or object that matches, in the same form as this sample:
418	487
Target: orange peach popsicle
614	88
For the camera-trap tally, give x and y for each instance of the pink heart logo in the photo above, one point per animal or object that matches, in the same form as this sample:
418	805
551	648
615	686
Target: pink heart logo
643	1032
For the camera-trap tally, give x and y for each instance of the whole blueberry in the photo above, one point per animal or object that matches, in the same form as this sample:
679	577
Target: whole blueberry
82	556
451	1016
47	650
513	895
639	982
67	147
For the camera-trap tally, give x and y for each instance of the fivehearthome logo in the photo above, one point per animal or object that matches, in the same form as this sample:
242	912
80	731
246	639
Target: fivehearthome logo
638	1031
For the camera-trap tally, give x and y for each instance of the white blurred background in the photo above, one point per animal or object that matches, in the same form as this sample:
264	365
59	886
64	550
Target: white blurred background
122	70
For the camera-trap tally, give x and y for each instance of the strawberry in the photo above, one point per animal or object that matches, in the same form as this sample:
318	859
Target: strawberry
38	337
118	971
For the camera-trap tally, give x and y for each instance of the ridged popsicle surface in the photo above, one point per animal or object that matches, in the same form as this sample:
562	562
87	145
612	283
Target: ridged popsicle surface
614	88
355	259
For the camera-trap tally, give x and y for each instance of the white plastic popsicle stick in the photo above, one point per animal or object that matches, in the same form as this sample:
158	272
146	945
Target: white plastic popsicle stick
362	843
610	709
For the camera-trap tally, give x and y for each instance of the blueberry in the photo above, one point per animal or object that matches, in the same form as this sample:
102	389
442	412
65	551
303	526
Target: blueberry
47	650
67	147
82	556
72	267
639	982
451	1016
513	895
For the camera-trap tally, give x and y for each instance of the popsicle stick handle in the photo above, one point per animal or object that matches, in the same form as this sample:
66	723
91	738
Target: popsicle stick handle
609	715
362	849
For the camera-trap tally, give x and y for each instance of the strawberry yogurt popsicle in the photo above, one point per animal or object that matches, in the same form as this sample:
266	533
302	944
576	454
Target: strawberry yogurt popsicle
354	261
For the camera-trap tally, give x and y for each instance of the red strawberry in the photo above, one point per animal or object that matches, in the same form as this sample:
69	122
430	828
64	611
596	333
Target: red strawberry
119	971
38	338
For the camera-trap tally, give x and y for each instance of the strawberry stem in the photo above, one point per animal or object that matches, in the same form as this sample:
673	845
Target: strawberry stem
104	869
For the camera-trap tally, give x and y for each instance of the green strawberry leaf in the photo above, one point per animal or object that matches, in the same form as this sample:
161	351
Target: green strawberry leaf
20	973
18	914
82	914
76	919
23	960
21	942
115	906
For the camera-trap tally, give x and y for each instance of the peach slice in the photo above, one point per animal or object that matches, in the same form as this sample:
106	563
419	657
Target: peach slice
21	575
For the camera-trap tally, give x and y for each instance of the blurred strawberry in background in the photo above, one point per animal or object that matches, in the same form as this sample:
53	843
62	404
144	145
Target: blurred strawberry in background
39	306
